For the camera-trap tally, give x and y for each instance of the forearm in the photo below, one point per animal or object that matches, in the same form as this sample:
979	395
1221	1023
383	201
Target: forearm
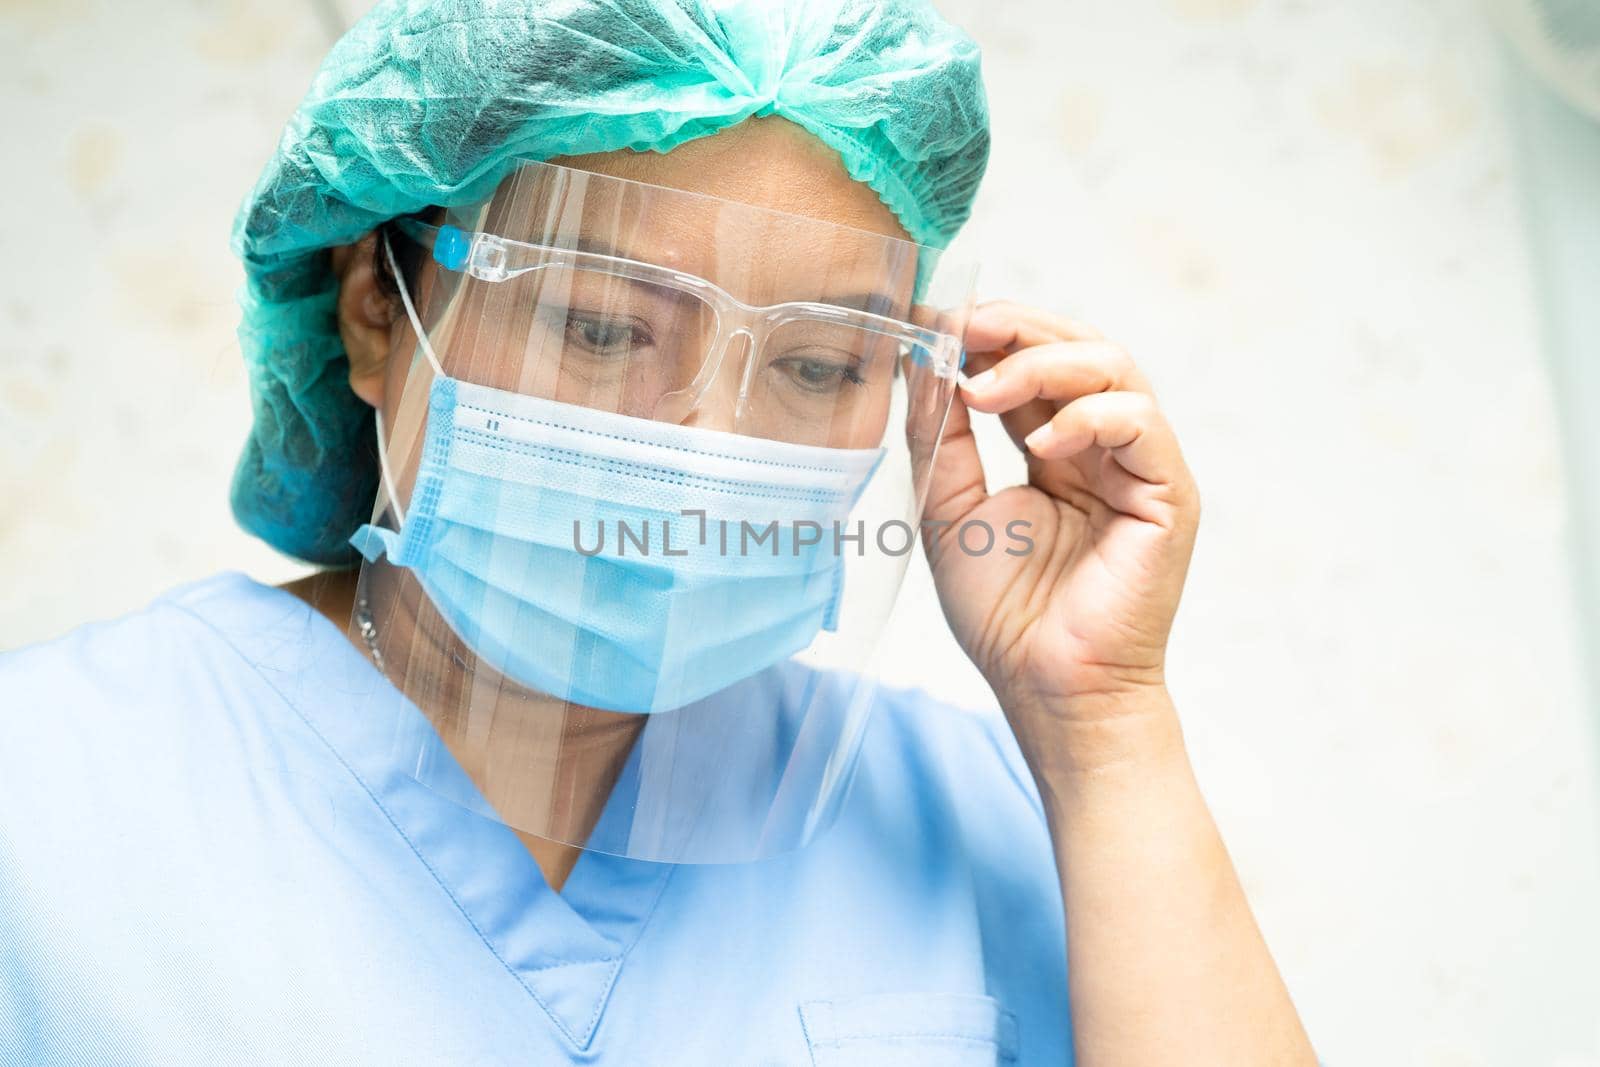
1165	963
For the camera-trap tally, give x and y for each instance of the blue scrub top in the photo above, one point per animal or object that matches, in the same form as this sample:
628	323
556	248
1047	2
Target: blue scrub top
204	859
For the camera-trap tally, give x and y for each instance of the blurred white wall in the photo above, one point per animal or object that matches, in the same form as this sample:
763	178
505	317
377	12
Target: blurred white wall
1299	217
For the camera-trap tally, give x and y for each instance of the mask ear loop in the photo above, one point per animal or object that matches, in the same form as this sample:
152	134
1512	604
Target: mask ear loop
433	360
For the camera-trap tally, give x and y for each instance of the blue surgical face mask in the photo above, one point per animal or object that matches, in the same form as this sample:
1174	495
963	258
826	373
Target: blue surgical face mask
616	562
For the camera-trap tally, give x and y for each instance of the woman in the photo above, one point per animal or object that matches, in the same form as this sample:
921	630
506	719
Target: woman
501	797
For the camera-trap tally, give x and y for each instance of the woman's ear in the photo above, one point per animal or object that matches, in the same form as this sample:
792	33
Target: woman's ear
366	315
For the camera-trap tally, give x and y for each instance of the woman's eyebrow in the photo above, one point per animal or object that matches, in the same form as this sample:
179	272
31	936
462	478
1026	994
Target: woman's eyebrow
872	301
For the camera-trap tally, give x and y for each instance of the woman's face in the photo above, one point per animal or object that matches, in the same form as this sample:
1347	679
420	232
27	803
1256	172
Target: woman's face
591	340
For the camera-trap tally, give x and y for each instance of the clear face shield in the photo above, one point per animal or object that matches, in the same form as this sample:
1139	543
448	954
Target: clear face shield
653	468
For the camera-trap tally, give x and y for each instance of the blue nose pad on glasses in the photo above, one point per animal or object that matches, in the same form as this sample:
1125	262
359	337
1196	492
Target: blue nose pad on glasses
678	405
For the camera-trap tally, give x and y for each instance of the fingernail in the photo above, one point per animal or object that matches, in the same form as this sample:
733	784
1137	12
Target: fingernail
980	383
1040	438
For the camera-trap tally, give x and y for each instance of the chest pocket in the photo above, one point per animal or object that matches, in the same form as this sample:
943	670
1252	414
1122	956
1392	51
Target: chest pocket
906	1029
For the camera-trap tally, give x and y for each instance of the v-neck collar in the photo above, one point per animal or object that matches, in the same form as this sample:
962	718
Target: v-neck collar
566	949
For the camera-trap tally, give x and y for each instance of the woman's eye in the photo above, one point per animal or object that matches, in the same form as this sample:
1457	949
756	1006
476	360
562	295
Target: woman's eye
605	336
819	375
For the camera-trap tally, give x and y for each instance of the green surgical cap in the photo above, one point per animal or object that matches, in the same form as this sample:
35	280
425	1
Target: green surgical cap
432	103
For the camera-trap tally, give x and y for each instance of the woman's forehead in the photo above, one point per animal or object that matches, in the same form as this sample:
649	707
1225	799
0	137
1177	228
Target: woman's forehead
768	163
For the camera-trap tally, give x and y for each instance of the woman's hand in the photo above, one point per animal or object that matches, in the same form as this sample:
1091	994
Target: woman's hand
1167	964
1076	628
